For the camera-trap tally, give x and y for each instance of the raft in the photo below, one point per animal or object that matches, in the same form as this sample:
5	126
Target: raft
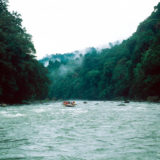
69	104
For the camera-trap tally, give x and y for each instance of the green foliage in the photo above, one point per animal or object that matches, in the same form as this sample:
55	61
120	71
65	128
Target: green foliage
21	76
129	69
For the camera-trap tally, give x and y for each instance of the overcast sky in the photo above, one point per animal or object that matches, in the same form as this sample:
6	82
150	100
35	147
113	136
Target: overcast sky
60	26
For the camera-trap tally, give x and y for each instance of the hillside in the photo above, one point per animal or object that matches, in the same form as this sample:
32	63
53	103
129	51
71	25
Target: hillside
128	70
22	77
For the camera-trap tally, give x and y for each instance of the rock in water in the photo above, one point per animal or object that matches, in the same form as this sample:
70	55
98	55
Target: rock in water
121	104
3	105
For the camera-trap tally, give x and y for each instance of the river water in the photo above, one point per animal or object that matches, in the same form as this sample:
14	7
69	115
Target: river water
98	130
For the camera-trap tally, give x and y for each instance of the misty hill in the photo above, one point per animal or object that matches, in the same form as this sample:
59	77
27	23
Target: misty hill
63	58
127	70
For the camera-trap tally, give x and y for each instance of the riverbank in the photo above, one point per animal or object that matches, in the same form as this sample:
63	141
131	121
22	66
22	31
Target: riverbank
150	99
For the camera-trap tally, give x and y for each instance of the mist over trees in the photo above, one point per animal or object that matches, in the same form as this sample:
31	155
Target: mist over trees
130	69
22	77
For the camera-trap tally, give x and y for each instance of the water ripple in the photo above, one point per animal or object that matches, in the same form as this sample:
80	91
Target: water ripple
98	130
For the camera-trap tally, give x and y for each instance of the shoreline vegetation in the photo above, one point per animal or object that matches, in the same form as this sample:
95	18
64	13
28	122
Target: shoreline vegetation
127	70
22	77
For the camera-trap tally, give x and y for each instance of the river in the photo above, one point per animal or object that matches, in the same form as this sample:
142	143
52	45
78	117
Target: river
97	130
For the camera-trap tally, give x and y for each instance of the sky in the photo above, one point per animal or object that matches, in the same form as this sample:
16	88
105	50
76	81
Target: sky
61	26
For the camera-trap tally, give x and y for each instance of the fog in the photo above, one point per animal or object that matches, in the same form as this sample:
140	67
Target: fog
60	26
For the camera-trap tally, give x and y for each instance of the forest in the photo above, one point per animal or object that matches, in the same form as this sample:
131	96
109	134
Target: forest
129	70
22	77
126	70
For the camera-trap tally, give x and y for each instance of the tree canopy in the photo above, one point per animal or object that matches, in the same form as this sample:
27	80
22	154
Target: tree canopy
130	69
22	77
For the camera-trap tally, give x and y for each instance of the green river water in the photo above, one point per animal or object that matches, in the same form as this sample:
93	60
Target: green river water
98	130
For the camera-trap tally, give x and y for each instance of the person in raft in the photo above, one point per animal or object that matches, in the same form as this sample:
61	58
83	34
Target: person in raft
67	102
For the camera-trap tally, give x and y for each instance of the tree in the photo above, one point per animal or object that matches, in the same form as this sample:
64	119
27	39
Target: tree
22	77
